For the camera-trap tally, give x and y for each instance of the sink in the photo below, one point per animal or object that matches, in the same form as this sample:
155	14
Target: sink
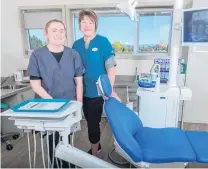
19	86
14	87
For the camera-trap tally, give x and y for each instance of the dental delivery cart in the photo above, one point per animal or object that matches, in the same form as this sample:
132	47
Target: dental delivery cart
48	116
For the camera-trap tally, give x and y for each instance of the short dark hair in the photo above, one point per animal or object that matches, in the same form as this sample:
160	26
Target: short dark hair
91	14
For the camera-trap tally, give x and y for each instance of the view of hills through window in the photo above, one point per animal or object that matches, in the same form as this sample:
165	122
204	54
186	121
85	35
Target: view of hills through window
153	33
36	38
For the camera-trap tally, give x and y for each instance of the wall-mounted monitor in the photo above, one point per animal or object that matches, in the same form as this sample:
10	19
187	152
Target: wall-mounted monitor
195	27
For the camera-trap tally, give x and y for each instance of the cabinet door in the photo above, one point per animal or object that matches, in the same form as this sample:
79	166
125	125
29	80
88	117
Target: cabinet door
29	94
25	95
152	110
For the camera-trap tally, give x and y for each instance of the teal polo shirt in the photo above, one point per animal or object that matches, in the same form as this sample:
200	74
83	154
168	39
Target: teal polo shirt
93	58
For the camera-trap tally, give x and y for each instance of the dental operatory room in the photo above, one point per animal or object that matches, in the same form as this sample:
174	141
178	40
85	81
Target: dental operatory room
145	97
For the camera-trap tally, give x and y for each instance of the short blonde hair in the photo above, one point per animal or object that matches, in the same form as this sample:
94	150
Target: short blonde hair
91	14
52	21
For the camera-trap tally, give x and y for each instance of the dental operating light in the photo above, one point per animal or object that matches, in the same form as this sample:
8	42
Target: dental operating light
128	8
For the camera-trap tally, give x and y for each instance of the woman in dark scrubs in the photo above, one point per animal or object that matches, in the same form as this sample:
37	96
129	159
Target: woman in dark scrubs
56	71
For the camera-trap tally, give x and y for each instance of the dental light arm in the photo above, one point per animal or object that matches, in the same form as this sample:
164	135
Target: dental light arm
80	158
133	3
128	8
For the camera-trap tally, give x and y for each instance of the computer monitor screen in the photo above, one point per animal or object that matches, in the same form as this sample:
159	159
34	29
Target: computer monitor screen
195	27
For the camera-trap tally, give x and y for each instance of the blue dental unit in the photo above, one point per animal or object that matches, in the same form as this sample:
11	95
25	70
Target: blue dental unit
142	146
147	146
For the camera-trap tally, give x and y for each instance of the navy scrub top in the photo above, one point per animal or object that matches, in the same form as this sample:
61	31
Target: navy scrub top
93	58
57	78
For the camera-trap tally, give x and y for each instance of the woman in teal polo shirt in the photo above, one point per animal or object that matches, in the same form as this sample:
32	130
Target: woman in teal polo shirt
98	58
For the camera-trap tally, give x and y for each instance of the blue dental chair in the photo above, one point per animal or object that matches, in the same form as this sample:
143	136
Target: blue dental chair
139	144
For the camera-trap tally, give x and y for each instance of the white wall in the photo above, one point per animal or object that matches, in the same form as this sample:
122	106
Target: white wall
12	48
196	110
200	3
128	67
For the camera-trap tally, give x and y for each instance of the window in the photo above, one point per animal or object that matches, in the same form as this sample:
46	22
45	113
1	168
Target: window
154	30
36	38
34	25
117	28
151	34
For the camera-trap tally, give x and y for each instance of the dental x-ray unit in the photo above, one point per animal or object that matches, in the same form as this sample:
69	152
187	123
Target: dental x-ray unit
157	101
163	101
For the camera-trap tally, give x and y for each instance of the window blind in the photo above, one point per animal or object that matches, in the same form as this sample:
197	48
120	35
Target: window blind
38	19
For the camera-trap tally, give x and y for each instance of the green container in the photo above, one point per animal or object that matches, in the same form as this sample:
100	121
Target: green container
183	69
4	106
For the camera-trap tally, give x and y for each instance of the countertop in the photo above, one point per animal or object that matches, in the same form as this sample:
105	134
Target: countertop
9	92
122	84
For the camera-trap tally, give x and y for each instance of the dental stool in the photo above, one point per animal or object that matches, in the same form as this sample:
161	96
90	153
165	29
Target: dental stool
6	137
145	146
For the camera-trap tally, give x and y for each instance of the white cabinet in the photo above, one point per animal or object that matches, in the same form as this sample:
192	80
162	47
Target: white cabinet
154	103
161	109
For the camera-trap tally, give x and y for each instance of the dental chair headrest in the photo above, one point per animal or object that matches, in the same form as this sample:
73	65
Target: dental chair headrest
104	86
